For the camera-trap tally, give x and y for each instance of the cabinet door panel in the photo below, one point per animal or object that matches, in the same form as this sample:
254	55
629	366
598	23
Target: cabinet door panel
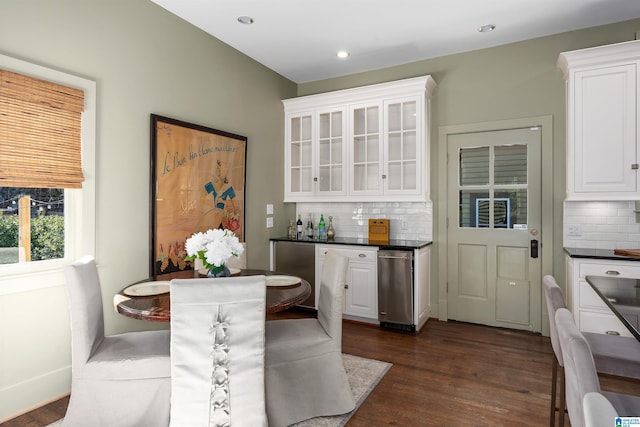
402	152
331	147
361	294
605	130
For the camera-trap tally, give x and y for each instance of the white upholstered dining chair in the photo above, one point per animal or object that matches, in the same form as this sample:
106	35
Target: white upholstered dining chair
217	352
305	377
614	355
597	410
118	380
580	373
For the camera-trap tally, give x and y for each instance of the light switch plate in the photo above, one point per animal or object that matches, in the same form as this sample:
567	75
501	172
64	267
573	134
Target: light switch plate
269	209
574	230
270	222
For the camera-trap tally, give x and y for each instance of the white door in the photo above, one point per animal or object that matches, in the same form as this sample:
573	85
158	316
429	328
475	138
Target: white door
494	199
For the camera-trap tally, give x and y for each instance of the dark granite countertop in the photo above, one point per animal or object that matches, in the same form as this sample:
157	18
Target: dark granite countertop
392	244
597	254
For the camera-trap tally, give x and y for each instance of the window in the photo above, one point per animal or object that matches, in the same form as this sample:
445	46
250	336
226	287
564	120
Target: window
64	196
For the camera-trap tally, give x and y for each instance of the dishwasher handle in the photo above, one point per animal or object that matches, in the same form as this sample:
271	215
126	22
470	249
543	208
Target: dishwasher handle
393	256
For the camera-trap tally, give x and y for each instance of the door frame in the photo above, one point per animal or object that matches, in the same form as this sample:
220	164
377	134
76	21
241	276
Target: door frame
546	235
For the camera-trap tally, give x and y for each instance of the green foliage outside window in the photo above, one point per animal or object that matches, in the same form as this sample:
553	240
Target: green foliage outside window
47	235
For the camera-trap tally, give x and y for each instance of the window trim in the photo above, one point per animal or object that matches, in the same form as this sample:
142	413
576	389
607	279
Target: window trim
80	204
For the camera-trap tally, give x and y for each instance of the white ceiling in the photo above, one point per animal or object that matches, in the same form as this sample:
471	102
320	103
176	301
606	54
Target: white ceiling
299	38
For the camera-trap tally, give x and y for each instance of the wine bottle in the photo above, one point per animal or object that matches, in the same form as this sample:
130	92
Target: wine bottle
322	230
310	228
299	227
331	233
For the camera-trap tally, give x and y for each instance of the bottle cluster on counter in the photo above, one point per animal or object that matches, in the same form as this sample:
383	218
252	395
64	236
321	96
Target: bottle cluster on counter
322	232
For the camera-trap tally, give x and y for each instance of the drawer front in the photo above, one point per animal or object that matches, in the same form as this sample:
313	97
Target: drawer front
354	254
602	323
611	269
589	298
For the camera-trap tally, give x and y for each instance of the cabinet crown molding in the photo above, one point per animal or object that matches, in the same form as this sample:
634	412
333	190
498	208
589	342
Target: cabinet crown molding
598	55
397	88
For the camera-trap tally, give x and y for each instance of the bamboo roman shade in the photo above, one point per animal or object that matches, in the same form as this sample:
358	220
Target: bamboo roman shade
40	128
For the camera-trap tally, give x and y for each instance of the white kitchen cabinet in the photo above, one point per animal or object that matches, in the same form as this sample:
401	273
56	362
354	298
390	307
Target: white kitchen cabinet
361	288
590	313
363	144
422	286
315	153
385	150
602	121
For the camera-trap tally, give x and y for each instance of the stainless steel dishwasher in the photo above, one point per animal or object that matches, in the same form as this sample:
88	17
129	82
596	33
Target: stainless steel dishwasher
298	259
395	290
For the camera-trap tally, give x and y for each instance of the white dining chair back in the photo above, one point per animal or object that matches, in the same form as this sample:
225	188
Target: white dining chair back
581	376
555	300
217	352
598	411
580	370
117	380
612	354
305	376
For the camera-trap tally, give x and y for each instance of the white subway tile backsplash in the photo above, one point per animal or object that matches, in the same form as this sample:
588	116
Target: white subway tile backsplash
352	219
605	225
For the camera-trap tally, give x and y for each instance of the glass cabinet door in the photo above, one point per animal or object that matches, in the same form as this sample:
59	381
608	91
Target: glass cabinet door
300	152
402	146
366	149
331	146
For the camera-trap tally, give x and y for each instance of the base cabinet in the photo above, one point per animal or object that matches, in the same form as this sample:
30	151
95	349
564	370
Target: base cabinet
361	288
590	313
422	286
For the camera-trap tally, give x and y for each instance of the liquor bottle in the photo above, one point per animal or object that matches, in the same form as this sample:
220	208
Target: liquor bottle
310	228
299	228
331	233
292	230
322	230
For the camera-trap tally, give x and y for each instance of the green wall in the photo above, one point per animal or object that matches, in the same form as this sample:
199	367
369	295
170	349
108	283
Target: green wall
506	82
144	60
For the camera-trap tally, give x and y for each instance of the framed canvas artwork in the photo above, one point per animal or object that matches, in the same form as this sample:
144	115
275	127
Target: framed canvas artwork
197	183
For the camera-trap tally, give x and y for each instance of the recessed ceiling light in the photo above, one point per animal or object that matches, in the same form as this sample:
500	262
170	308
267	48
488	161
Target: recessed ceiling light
342	54
486	28
245	20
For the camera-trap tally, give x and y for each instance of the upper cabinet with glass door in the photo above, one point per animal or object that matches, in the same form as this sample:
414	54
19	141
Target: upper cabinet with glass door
367	144
314	154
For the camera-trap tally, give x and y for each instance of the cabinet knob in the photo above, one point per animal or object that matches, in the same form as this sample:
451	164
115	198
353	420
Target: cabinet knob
384	176
634	166
346	286
612	273
315	179
362	255
612	333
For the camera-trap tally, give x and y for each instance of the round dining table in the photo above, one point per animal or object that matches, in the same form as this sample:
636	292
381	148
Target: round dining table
156	308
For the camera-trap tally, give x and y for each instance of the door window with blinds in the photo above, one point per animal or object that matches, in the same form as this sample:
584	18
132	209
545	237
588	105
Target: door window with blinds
493	187
40	160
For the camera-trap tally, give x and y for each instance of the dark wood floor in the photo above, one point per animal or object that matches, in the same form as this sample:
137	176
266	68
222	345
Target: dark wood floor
450	373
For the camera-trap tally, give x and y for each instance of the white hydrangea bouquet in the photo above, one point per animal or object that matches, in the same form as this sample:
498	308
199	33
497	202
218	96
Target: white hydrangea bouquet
214	248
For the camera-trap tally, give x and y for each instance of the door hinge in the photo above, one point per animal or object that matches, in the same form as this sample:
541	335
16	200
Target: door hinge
447	287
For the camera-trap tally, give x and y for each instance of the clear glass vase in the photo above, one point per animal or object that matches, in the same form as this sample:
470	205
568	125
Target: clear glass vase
219	271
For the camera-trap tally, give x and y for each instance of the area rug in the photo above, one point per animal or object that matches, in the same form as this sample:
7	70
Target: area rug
364	375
